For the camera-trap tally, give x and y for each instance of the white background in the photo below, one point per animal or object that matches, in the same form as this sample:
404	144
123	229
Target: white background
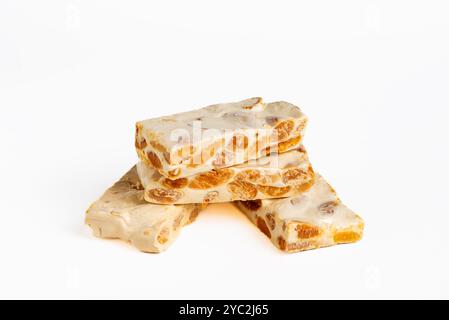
373	77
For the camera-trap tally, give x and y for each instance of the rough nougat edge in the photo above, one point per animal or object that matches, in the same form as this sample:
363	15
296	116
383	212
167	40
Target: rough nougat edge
151	151
293	235
122	213
292	175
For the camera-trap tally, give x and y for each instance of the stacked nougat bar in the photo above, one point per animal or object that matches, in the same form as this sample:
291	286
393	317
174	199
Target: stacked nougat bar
249	153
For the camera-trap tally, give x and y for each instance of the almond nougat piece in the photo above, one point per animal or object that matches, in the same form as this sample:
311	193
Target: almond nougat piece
122	213
274	176
218	136
314	219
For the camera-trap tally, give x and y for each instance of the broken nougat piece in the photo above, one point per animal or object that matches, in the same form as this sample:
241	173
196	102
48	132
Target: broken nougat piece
314	219
122	213
273	176
218	136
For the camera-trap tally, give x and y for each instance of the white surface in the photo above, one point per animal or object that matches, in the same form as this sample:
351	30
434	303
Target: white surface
373	77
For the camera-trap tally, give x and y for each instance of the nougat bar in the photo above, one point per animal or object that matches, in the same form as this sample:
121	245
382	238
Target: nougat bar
314	219
274	176
218	136
122	213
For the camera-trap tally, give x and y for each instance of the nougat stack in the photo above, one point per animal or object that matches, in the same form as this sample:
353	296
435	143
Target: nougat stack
249	153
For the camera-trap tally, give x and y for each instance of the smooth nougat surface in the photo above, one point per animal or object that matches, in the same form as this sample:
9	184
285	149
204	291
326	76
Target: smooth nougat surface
122	213
273	176
316	218
218	136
